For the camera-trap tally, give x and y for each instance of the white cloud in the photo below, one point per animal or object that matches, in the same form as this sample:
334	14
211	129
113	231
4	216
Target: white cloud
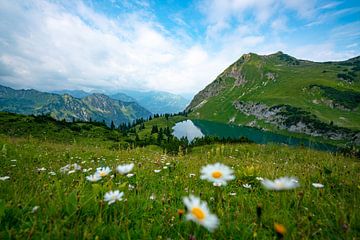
49	47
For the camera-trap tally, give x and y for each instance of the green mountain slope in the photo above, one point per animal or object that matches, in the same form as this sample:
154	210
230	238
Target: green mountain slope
281	93
96	107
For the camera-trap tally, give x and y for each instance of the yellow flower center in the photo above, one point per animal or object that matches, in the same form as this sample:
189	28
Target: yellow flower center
198	213
217	174
102	174
279	228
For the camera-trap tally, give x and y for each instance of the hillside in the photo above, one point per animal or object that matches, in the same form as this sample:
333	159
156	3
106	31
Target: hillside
280	93
94	107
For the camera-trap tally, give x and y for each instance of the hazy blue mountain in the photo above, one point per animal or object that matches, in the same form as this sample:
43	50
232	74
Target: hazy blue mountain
97	107
122	97
159	102
74	93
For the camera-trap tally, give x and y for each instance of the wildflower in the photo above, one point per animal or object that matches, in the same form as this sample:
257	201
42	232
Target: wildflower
280	230
318	185
125	168
4	178
129	175
87	170
217	173
157	171
113	196
103	171
76	167
180	213
198	212
284	183
152	197
93	178
70	168
34	210
248	186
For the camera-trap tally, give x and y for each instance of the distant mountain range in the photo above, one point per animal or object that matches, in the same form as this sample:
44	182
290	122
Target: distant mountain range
85	107
155	101
280	93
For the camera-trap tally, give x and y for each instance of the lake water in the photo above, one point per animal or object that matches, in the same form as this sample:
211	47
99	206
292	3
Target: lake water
199	128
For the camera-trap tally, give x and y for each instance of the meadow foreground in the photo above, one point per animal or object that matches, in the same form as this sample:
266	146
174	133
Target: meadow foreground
46	192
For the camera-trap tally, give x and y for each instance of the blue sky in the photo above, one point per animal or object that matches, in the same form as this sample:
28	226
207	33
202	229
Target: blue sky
176	46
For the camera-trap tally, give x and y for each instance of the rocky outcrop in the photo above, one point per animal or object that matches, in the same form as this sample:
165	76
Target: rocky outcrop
296	120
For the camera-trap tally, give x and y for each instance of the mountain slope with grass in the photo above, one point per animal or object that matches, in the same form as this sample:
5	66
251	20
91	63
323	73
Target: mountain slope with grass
93	107
280	93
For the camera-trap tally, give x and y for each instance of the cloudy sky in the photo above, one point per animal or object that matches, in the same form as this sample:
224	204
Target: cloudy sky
178	46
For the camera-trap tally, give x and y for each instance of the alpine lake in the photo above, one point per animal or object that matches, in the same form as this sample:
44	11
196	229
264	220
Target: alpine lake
192	129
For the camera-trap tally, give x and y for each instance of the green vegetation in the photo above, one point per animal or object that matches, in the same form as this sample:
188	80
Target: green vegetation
34	149
348	99
279	79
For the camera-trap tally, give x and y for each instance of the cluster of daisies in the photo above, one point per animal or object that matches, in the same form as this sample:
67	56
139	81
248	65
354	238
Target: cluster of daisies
101	172
219	174
197	210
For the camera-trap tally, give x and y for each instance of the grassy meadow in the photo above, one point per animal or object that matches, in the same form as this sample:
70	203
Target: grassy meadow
38	201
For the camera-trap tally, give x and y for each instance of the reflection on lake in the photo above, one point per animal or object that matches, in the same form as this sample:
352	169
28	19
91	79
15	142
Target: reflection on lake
187	129
199	128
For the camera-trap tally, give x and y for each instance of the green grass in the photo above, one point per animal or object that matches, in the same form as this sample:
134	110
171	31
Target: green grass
291	87
73	208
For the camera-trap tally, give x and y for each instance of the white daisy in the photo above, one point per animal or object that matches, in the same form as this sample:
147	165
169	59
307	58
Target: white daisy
217	173
93	178
318	185
76	167
125	168
129	175
4	178
284	183
34	210
199	212
113	196
248	186
152	197
103	171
